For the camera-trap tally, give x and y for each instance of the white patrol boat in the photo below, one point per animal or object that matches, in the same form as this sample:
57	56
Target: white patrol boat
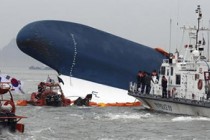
188	81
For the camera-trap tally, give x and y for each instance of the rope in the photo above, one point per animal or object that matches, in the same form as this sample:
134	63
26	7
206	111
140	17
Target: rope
95	94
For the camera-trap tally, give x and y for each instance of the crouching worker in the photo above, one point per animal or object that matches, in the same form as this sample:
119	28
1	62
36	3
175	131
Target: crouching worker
83	102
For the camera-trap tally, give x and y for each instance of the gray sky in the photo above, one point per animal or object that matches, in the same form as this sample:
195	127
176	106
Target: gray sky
142	21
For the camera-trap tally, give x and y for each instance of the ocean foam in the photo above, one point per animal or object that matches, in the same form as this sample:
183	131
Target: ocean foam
189	118
127	116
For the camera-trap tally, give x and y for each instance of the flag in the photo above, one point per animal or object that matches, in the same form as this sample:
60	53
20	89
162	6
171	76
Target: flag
60	80
7	77
50	80
17	85
20	90
13	82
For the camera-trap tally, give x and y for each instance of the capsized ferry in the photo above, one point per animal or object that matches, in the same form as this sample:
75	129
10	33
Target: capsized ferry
88	59
188	81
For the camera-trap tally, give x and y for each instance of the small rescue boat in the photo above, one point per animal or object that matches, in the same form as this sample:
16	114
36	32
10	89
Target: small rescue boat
49	94
8	119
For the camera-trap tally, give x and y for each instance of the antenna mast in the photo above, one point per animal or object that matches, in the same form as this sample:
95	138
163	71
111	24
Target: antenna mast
208	43
198	11
170	37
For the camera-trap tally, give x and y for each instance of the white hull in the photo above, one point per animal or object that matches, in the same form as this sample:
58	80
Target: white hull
175	108
74	88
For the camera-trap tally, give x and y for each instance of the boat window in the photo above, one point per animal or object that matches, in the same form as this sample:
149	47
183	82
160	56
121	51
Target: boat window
162	70
172	71
178	79
196	76
207	76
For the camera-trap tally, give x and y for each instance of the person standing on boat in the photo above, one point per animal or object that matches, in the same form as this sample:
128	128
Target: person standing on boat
41	89
208	91
143	82
148	80
155	77
164	87
139	80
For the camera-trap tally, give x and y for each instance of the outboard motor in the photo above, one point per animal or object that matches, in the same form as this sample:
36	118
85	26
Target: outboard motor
12	122
9	123
53	100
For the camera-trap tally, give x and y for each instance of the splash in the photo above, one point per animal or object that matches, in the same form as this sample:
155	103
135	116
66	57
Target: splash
77	116
189	118
128	116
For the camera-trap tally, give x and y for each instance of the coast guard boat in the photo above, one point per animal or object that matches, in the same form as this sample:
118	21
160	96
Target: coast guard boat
88	60
188	81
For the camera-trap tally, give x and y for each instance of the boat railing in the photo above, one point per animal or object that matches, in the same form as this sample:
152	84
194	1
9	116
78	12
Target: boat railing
132	86
166	61
4	87
178	60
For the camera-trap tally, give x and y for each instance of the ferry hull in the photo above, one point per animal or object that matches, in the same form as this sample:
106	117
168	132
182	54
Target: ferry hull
174	106
82	52
86	53
74	88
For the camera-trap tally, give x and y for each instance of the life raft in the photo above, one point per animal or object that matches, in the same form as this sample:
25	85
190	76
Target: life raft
126	104
21	103
163	52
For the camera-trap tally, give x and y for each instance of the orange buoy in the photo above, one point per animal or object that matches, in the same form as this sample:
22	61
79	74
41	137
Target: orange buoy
93	104
22	103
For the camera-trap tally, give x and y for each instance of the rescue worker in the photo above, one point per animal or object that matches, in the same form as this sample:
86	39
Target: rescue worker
139	80
41	89
143	82
208	91
164	87
148	80
83	102
155	76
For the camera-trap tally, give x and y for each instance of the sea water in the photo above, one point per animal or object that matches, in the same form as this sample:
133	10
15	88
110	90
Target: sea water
97	123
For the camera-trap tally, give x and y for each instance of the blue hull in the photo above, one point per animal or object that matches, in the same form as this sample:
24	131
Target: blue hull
83	52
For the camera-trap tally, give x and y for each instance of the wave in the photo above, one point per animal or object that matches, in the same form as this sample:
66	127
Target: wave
189	118
112	116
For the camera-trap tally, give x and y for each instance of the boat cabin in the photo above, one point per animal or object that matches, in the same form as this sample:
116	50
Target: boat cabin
186	78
